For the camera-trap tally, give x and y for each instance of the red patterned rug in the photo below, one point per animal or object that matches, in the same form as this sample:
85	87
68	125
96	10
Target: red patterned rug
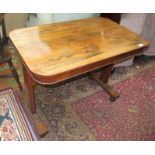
131	117
14	123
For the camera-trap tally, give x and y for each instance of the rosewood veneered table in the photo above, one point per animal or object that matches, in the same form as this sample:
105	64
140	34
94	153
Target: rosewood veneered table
56	52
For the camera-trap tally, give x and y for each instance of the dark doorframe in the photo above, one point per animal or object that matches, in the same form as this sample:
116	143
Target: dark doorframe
113	16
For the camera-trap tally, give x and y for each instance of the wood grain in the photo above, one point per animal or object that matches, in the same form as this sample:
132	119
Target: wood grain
52	49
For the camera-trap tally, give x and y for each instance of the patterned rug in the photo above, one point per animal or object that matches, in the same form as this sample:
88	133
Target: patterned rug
131	117
81	110
13	123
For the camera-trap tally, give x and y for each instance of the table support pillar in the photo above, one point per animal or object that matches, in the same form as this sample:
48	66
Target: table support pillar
103	78
30	84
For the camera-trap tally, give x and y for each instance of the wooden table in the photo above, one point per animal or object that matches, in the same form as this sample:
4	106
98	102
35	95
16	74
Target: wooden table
56	52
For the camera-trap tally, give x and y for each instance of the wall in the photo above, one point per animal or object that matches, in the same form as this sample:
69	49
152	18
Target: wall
15	20
46	18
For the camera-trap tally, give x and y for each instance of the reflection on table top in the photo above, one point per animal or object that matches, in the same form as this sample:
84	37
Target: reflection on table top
55	48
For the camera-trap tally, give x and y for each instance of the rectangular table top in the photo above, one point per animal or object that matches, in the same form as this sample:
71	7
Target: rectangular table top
52	49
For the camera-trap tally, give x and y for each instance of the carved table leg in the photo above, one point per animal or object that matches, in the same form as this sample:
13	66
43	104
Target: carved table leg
103	78
30	84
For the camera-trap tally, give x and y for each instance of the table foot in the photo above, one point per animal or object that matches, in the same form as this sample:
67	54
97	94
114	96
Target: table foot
41	128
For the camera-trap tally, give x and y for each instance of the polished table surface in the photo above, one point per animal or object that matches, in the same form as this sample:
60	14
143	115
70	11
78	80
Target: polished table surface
48	50
56	52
